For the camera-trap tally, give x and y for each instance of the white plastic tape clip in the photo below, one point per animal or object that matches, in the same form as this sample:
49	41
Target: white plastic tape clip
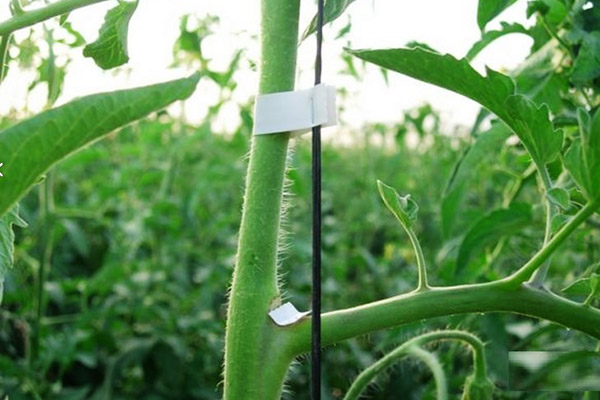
287	314
296	112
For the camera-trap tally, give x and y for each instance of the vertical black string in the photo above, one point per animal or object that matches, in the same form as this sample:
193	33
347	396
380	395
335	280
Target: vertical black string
316	217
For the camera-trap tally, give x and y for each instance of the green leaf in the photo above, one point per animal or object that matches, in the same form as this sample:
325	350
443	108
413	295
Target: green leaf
488	37
583	286
587	64
31	147
53	76
482	150
491	228
582	160
110	49
533	126
559	197
404	208
553	11
7	238
332	10
537	77
558	221
487	10
496	92
444	71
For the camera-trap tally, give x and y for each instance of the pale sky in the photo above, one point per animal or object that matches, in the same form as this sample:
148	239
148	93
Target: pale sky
447	26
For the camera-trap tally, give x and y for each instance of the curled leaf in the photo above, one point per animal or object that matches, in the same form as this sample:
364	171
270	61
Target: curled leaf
110	49
404	208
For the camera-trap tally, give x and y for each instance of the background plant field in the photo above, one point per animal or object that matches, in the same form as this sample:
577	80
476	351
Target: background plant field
145	247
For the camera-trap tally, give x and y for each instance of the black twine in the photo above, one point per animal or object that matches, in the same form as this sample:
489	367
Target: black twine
316	218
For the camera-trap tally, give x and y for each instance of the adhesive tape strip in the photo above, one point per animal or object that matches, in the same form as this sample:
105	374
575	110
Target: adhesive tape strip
296	112
287	314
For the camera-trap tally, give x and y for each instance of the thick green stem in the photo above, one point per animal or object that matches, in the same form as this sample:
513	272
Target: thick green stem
496	296
525	272
367	376
254	366
32	17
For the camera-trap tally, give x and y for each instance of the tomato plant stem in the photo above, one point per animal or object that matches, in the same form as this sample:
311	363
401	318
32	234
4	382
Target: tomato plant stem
429	359
250	371
526	271
421	266
408	347
32	17
540	275
497	296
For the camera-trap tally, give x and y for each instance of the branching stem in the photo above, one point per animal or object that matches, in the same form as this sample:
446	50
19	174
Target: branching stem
526	271
497	296
32	17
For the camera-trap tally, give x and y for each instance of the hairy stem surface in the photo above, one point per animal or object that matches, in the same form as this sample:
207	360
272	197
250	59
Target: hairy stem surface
412	347
254	365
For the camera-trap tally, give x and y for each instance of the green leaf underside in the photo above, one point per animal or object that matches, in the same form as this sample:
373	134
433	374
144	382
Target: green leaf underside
332	10
491	228
582	160
110	49
488	37
404	208
29	148
496	92
487	10
483	149
7	238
